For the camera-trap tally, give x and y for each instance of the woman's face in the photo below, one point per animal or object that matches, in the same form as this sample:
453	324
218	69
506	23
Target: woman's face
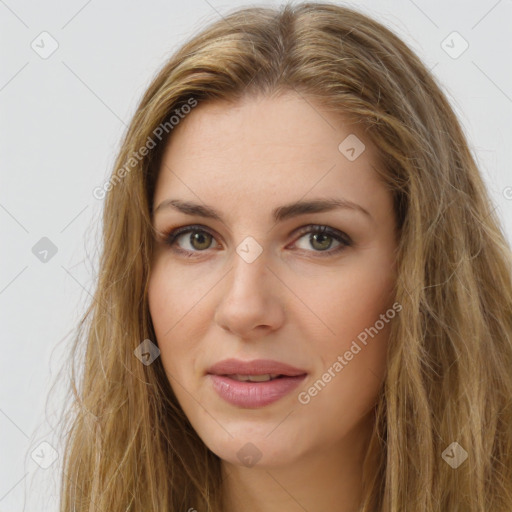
251	280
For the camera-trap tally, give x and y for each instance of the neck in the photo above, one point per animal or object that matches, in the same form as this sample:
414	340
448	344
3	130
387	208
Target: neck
327	478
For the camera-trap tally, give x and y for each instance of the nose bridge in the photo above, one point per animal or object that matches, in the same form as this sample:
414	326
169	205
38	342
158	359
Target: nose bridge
249	273
248	297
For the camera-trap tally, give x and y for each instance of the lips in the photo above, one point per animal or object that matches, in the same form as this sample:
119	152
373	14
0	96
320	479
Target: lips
252	384
254	367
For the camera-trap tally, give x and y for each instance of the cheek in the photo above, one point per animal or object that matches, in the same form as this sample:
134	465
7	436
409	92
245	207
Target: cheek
181	318
355	307
170	303
174	296
348	302
351	365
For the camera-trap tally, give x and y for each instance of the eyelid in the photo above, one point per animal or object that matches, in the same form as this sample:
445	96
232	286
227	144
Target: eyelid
324	229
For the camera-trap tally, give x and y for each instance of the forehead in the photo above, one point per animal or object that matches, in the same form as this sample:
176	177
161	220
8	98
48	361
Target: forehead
266	150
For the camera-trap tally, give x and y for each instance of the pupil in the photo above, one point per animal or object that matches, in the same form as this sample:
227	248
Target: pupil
325	237
199	237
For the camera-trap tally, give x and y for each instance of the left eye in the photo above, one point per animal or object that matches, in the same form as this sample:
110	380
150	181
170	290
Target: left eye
321	237
199	240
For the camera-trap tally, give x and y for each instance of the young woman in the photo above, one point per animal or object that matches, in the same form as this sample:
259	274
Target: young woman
304	299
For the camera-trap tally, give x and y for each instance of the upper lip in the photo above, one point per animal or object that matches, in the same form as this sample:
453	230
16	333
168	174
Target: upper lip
254	367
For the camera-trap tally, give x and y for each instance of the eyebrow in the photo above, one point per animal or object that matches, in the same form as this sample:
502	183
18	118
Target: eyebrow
279	214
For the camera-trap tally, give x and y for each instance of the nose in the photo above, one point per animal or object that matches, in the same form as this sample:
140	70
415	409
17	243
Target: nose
251	303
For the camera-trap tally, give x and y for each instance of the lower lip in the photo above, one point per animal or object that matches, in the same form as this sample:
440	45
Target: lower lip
254	394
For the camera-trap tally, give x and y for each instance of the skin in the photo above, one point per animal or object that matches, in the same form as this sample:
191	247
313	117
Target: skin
294	303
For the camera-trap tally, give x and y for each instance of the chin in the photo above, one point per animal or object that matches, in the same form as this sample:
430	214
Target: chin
258	446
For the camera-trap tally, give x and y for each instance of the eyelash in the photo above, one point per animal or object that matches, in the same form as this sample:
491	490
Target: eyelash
172	235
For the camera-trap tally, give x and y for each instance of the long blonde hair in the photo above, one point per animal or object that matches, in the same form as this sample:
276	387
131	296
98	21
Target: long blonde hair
130	447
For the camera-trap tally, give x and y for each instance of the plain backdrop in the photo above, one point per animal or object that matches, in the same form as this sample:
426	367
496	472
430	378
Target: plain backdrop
62	119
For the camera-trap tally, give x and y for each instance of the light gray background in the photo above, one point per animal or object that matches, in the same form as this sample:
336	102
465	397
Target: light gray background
62	119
